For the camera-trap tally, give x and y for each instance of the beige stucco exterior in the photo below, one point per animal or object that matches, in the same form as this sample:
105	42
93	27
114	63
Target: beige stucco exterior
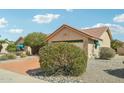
105	40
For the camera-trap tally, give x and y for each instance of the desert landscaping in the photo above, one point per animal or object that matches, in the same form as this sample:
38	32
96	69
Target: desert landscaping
56	46
34	61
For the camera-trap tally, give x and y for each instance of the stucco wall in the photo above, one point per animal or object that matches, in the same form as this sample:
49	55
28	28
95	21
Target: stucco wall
106	40
90	48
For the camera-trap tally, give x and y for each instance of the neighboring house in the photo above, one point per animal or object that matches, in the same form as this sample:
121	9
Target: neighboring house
20	46
90	40
20	43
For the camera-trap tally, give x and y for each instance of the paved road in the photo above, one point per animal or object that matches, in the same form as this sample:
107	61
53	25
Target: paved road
11	77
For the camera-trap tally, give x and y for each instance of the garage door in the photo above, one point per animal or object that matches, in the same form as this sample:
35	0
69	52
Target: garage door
78	44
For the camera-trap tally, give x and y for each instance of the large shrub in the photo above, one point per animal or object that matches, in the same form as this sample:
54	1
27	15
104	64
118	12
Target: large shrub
62	58
106	53
11	47
35	40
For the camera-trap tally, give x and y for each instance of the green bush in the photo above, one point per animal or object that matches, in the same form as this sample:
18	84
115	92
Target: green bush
7	56
18	53
3	57
62	58
11	48
22	55
106	53
11	56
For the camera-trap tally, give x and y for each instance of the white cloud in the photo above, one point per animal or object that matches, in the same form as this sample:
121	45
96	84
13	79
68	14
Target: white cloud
45	18
119	18
3	22
15	30
116	29
69	10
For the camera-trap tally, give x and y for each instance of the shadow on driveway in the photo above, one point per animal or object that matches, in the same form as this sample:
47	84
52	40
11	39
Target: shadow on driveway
116	72
34	72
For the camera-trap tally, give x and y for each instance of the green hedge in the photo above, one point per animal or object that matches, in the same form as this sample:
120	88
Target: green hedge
62	59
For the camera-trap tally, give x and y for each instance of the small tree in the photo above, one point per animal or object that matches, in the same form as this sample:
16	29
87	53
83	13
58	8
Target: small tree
35	40
116	44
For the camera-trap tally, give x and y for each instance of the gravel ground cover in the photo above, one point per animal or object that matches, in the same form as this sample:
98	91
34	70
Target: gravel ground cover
98	71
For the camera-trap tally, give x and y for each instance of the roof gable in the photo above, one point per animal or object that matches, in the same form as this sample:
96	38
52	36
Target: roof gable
20	39
97	32
76	30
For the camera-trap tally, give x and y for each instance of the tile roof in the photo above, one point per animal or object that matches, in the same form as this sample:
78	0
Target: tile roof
95	32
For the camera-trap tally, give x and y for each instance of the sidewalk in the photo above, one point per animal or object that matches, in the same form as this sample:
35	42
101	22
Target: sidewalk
11	77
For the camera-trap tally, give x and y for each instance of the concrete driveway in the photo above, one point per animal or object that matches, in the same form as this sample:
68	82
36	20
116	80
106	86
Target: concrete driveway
15	71
11	77
21	65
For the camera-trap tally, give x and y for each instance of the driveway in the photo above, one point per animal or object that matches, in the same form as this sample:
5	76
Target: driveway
11	77
105	71
21	65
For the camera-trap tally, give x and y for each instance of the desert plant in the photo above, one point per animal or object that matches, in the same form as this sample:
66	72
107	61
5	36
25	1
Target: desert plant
35	40
62	58
7	56
22	55
11	56
18	53
3	57
106	53
11	47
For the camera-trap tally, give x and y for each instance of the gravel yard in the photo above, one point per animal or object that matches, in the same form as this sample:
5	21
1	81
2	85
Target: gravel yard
98	71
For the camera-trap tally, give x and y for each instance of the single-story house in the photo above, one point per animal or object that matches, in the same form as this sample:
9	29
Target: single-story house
90	40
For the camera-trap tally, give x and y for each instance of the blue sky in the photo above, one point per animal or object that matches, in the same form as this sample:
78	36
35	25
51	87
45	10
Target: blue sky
17	22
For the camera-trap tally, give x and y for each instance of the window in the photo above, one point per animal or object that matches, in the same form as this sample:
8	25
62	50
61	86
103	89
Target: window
96	42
